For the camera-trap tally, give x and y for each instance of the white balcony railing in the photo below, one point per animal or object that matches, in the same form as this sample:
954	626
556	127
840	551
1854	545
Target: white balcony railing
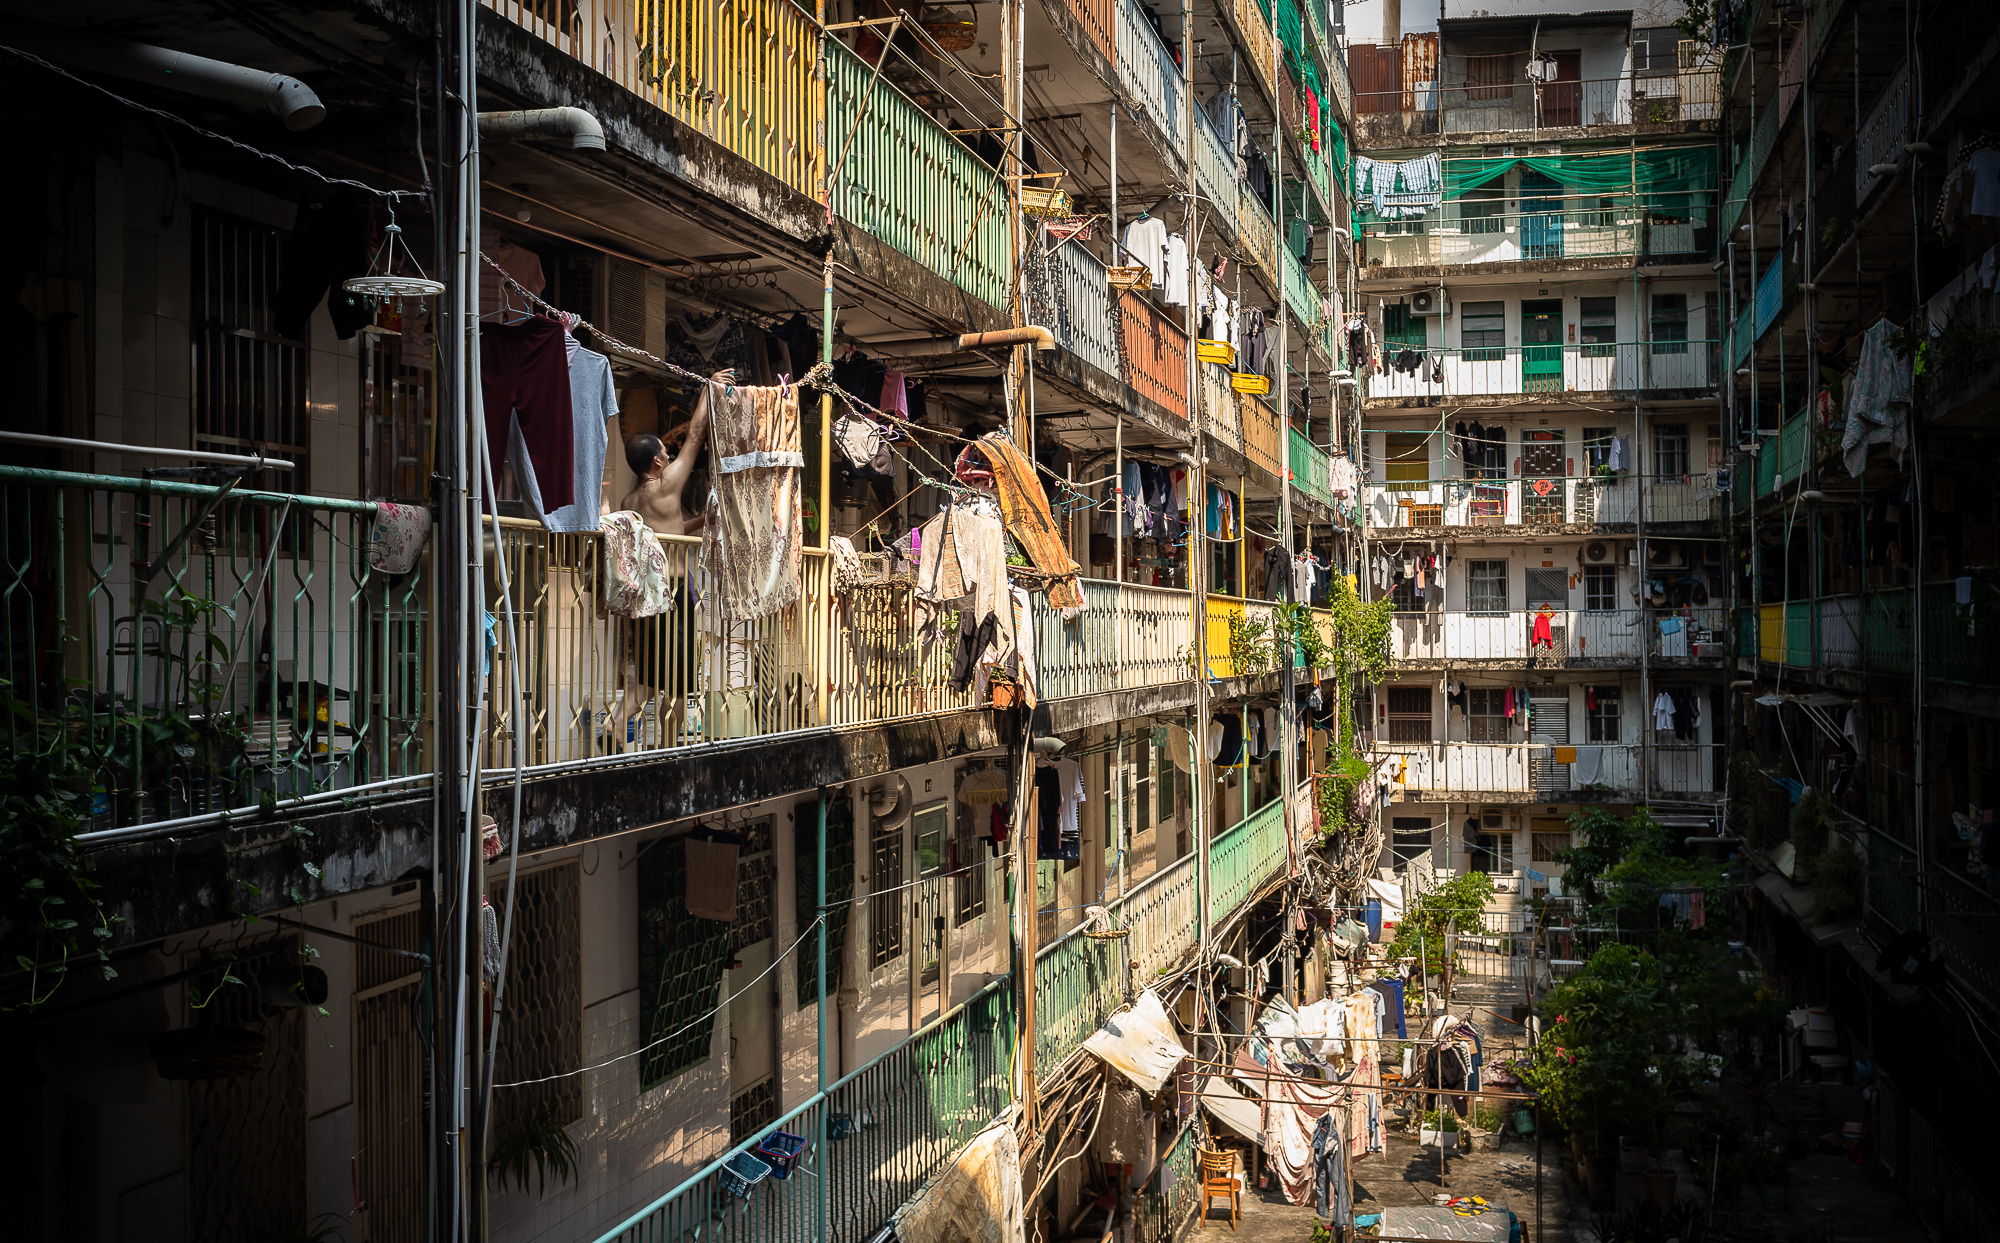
1439	770
1571	634
1587	499
1517	370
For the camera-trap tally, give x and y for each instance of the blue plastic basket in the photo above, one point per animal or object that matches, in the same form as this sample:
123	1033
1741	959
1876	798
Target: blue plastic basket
781	1149
742	1172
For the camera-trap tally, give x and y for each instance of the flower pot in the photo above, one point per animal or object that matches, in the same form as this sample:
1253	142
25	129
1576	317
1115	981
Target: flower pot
1632	1157
1774	1196
1431	1138
1660	1188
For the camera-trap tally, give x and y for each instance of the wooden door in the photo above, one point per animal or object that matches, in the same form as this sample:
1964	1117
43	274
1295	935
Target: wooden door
1562	99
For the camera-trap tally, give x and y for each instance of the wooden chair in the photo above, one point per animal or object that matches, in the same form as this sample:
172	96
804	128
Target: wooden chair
1218	1178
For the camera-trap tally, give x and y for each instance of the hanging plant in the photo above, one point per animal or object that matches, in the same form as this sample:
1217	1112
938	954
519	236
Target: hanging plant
536	1143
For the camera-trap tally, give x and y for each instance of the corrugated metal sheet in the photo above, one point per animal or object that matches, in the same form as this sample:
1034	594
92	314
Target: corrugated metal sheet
1420	72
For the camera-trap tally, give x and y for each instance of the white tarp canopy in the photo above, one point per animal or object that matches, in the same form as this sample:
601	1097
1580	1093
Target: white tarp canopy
1140	1043
1232	1109
977	1199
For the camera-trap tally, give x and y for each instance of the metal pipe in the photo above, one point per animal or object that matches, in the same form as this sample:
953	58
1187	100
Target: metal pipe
256	90
106	446
581	128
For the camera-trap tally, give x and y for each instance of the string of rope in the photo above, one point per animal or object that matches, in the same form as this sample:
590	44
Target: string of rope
164	115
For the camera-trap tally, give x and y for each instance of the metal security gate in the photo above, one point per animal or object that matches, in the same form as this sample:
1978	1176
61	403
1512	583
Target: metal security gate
540	1018
389	1150
1548	723
246	1135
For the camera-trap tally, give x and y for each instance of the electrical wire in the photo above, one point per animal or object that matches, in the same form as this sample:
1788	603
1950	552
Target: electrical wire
246	148
776	960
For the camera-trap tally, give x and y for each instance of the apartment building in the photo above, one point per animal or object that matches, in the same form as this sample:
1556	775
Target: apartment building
241	654
1857	253
1540	435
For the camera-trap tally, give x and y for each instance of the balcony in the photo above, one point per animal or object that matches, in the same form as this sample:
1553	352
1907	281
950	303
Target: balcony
266	663
904	1117
1875	634
1517	371
909	182
1693	94
1306	302
1578	638
1577	500
749	85
1148	73
1069	293
1257	236
1437	770
1156	353
1561	236
1263	438
1311	469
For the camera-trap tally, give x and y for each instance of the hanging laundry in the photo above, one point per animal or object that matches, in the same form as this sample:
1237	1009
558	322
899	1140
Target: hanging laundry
1174	260
895	393
1663	711
1145	243
636	582
524	386
397	537
1878	404
593	404
496	297
1024	507
750	544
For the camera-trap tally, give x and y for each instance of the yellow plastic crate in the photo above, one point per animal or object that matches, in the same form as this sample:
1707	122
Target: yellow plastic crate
1215	352
1245	382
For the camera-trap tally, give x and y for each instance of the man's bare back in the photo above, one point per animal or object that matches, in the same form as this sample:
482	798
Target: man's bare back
663	477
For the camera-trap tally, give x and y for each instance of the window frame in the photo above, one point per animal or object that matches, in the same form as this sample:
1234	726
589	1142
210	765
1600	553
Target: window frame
1478	574
1396	466
1486	714
887	853
1591	336
1600	582
1491	214
1671	447
1483	349
1410	721
1601	722
1669	324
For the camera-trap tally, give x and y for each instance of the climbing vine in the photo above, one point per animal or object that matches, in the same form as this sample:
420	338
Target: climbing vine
1358	655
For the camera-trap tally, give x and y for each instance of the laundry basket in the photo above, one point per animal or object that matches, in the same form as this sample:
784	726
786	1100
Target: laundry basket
742	1172
781	1150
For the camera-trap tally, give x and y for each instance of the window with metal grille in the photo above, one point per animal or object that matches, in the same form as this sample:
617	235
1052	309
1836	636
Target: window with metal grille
1486	586
681	960
1486	459
1597	327
542	1035
1139	783
1409	838
1670	449
885	904
249	385
753	1109
1404	593
1601	713
1546	587
1656	51
1406	463
756	877
1600	588
1670	323
1164	784
1400	328
388	1076
1486	714
396	414
1409	714
805	889
1542	847
1482	331
969	861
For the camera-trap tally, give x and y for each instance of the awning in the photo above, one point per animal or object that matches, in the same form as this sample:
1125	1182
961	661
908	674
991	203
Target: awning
1140	1043
1232	1109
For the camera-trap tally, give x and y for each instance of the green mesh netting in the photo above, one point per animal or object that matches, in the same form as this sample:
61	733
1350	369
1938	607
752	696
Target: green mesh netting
1668	178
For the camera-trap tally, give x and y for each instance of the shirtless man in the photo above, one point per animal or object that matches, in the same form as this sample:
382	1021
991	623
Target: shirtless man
663	646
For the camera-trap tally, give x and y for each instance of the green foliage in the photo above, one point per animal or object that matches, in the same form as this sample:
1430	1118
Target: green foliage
1457	903
537	1142
1297	628
1602	1065
1746	780
1808	827
1625	864
1837	878
1252	647
50	912
1697	20
1359	654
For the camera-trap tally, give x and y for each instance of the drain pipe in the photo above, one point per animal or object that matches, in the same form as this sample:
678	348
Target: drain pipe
1032	335
258	90
581	128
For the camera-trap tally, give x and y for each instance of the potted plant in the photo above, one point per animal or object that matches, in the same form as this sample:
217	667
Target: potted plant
1766	1168
1440	1126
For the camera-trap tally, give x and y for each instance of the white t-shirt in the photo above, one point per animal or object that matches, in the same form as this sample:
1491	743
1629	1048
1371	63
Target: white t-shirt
1069	783
1175	259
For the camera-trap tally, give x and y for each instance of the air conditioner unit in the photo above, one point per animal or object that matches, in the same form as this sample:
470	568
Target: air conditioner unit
1429	302
1711	555
625	299
1597	552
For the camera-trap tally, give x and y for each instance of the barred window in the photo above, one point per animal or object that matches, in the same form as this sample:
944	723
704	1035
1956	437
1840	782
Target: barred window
839	888
681	960
248	384
885	903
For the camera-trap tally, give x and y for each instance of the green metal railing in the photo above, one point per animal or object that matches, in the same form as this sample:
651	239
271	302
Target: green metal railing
1166	1214
1761	141
1300	295
1311	471
187	652
891	1126
1243	858
1891	890
1080	981
906	180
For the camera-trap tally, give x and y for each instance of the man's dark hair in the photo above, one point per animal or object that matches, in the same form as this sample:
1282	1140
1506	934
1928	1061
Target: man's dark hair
640	451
